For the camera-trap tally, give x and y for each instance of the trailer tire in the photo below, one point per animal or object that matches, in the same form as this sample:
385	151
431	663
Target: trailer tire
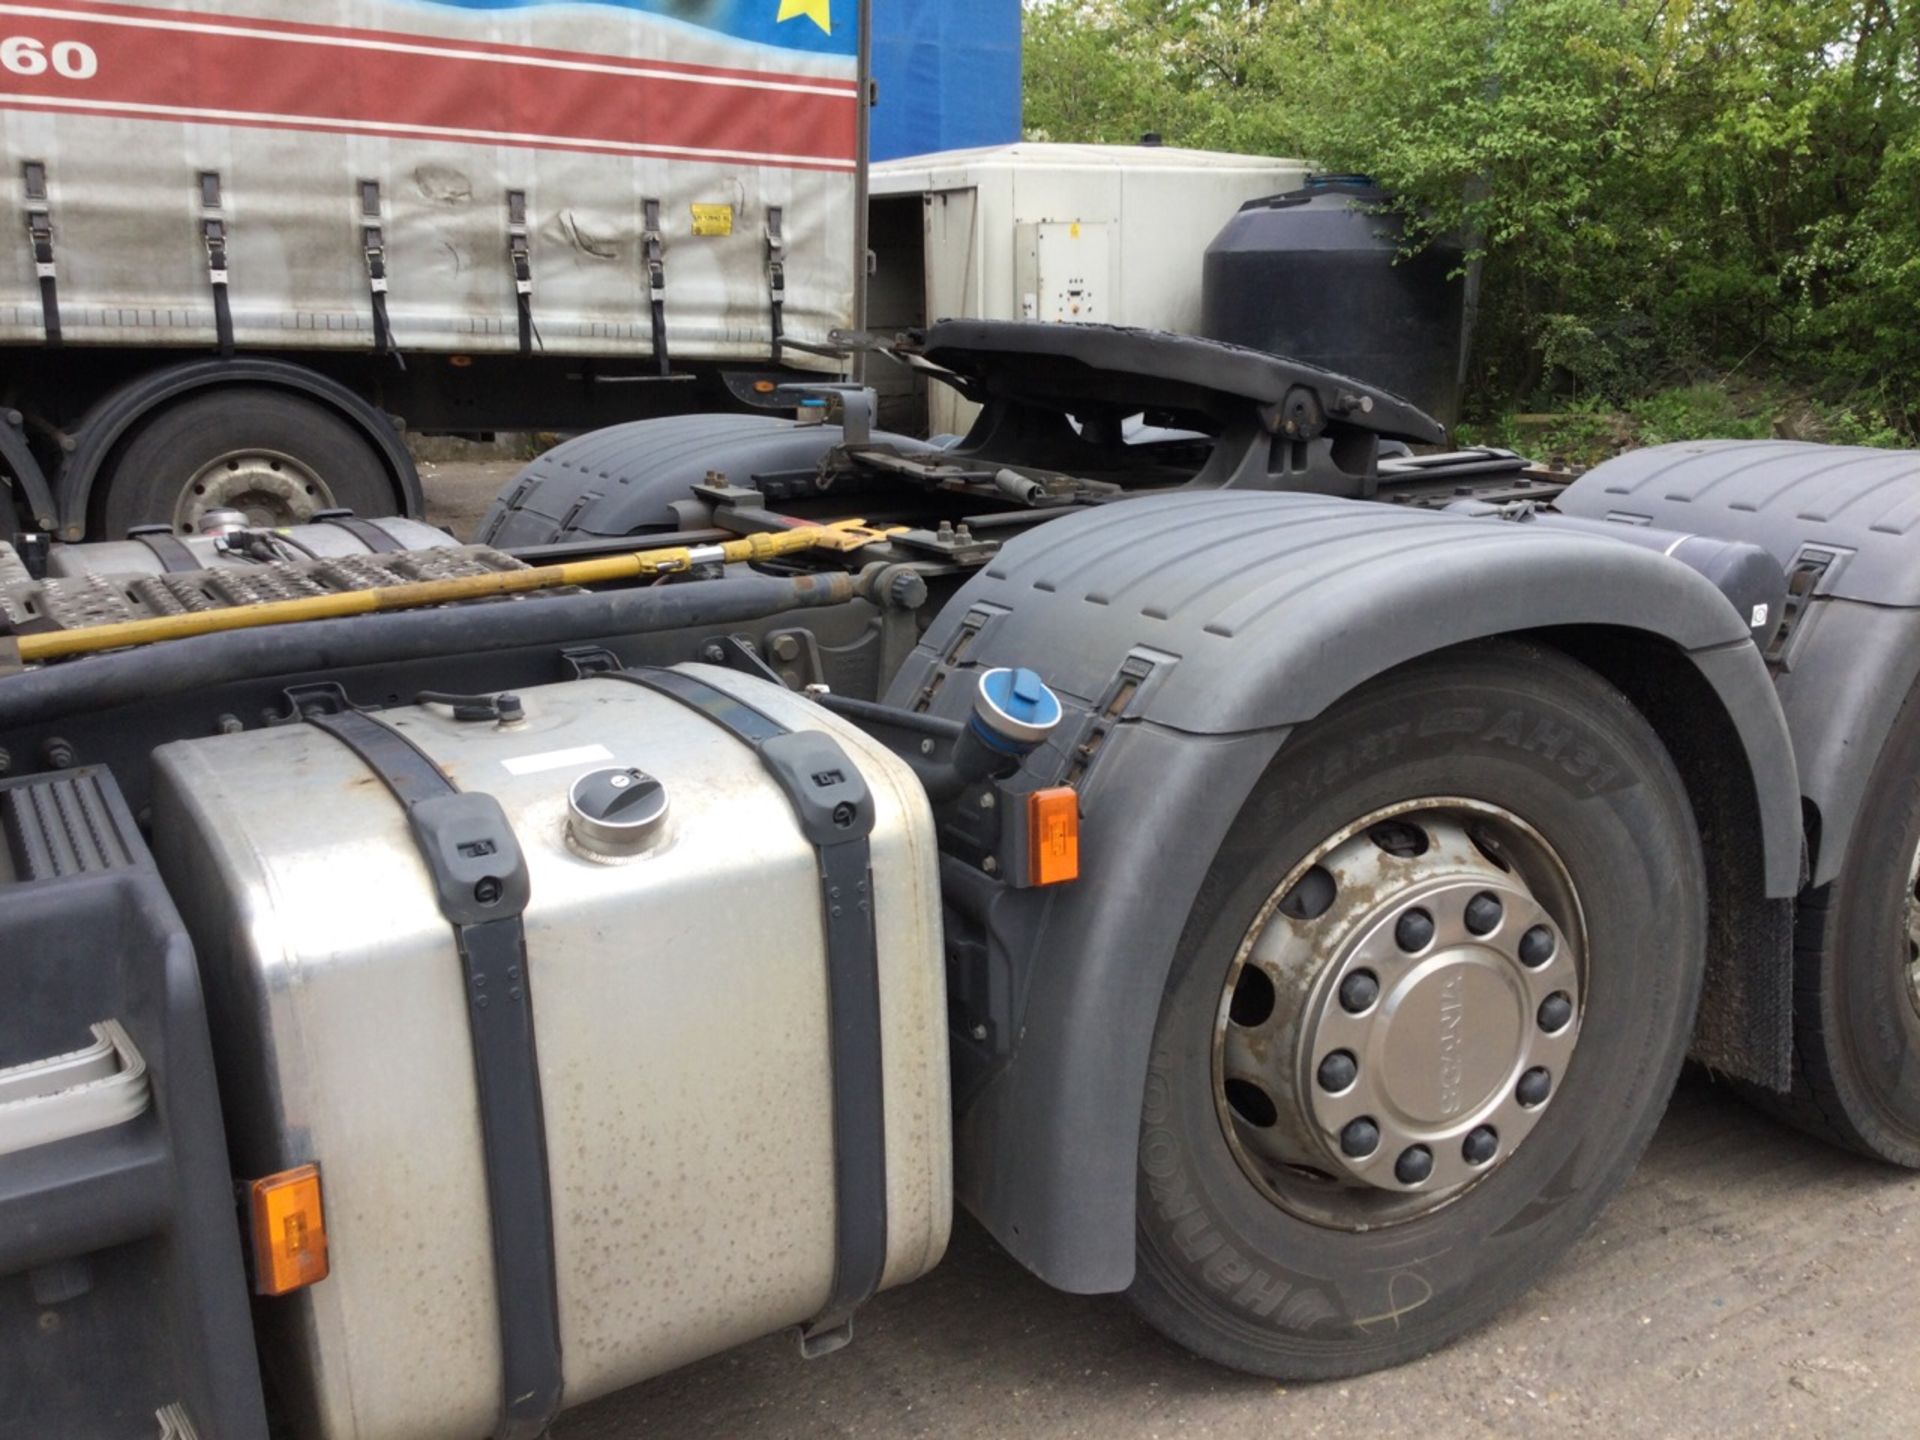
1856	1002
277	457
1280	1274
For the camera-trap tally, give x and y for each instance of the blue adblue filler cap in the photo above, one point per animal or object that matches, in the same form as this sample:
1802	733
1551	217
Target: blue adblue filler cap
1014	711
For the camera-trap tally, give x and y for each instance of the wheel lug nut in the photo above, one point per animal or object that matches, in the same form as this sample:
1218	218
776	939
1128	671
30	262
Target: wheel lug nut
1414	1165
1481	1145
1360	1138
1536	947
1556	1012
1483	913
1358	991
1414	932
1338	1071
1534	1087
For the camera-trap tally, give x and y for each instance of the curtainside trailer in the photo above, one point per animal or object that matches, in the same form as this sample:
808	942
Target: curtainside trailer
254	239
1256	870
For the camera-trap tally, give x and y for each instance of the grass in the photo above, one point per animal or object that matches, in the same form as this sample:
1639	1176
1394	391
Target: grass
1589	432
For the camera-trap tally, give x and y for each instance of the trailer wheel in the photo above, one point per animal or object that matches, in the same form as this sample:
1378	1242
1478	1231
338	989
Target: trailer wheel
1427	1010
275	457
1856	1003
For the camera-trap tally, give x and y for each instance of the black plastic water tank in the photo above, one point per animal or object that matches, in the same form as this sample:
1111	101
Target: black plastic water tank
1316	275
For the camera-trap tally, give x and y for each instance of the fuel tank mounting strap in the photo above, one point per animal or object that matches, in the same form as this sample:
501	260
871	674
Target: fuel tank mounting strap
174	557
365	531
835	810
480	877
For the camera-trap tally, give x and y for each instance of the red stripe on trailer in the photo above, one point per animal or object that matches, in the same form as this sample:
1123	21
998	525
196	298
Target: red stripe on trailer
245	76
158	16
515	142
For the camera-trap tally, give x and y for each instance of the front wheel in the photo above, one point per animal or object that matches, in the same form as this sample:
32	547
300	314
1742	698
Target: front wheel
1423	1020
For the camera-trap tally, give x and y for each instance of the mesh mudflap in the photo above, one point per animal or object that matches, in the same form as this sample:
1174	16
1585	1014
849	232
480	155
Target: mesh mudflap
28	605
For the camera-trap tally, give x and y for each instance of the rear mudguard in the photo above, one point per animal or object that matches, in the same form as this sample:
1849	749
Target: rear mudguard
1187	634
1846	518
629	479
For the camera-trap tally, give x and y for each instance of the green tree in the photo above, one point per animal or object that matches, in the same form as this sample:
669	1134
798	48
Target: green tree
1659	188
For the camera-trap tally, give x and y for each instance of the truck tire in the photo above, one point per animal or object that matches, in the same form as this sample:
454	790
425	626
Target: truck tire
1427	1010
1856	1001
275	457
638	478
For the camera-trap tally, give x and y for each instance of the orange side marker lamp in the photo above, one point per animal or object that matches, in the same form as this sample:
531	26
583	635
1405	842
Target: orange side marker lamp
1014	714
288	1226
1053	835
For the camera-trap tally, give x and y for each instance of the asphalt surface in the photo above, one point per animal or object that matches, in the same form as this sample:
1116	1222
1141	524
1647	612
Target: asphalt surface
1749	1281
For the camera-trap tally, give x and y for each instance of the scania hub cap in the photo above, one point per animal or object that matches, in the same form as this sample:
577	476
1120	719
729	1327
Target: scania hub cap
1400	1014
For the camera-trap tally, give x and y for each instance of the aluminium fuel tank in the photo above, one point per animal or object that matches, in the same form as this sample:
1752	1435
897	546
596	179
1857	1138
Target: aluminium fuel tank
244	548
680	1005
1316	274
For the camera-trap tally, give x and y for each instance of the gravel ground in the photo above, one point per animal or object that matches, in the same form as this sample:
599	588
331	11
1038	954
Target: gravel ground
1748	1282
459	492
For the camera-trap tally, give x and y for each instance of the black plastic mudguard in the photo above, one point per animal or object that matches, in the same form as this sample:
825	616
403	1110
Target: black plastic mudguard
639	477
1844	523
1186	635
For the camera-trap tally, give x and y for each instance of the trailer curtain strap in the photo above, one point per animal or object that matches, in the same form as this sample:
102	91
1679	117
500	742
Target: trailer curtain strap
40	241
656	256
777	279
373	239
480	877
40	233
520	254
215	233
377	283
835	810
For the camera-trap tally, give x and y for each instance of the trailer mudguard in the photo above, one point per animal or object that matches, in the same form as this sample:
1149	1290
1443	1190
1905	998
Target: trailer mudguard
1844	523
115	416
34	502
1187	634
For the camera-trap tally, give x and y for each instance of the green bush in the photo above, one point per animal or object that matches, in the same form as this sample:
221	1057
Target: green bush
1658	189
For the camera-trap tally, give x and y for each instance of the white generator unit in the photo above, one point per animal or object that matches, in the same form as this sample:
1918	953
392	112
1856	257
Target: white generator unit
1086	234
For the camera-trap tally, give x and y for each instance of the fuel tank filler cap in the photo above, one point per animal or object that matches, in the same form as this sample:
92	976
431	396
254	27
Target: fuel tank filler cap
616	812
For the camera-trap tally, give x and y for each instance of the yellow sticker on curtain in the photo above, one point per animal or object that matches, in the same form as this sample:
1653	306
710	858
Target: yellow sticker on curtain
713	220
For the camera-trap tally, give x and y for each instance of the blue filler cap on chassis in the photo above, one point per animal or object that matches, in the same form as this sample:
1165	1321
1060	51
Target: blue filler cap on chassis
1014	711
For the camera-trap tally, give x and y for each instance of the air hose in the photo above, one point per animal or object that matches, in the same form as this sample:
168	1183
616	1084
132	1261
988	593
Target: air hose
845	536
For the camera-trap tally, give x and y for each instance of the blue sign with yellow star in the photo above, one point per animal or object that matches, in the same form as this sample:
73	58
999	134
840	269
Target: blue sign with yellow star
819	27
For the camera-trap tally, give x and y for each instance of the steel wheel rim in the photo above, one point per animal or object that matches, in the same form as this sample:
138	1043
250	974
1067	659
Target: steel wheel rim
1459	1050
271	488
